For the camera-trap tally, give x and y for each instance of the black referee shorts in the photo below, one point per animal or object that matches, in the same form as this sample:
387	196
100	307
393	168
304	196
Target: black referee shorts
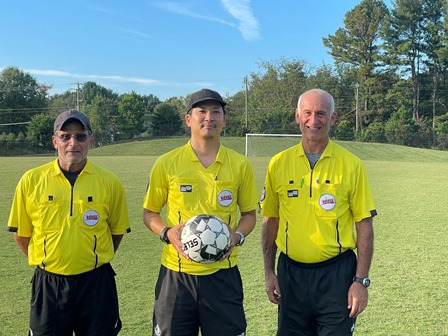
186	303
86	304
315	296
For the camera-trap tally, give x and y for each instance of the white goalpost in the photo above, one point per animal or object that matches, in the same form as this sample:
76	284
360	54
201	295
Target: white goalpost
267	145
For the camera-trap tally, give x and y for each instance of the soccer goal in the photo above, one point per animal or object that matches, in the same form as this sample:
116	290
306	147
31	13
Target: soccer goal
267	145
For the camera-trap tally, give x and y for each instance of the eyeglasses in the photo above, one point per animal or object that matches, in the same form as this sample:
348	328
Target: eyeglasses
79	137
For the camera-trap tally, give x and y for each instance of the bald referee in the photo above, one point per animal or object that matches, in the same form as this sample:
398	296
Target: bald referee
68	217
201	177
317	210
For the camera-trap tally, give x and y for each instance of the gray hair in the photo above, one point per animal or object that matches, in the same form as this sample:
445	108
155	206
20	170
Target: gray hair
320	92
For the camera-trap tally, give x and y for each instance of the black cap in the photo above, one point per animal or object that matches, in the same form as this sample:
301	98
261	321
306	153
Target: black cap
202	95
65	116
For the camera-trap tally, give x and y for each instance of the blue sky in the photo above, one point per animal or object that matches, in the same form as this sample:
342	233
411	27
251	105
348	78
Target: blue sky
165	48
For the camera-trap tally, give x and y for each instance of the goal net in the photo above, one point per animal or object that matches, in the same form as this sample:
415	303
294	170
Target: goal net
267	145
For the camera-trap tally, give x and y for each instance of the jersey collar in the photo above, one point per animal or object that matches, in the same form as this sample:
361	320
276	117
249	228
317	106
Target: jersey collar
57	170
327	151
192	155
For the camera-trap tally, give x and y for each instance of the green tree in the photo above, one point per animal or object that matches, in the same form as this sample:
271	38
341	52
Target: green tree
344	131
21	96
433	45
11	137
180	105
356	45
103	118
273	94
166	120
443	62
21	138
236	114
61	102
375	132
150	101
90	90
40	130
131	111
101	105
404	43
442	131
399	130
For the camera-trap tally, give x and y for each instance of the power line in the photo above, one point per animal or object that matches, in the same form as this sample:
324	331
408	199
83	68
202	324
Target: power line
17	123
25	110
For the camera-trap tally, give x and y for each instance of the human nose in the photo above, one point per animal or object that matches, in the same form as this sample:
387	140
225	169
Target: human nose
209	115
73	140
314	118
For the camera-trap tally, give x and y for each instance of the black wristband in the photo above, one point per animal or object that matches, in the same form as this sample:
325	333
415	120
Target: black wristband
164	236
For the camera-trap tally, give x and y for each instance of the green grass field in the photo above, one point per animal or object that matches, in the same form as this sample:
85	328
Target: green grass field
408	295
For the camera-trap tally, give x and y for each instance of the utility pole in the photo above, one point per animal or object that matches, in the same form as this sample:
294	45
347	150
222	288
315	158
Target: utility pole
358	119
77	96
245	82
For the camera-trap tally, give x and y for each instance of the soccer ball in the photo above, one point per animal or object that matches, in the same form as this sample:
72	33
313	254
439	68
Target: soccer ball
206	238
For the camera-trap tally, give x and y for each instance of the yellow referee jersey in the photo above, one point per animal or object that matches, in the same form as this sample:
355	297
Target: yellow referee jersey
180	181
70	227
317	208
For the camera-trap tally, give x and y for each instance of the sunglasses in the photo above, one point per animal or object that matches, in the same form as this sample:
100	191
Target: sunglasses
79	137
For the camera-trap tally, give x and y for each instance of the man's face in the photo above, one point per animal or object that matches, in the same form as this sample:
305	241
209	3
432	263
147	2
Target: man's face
314	118
206	120
72	144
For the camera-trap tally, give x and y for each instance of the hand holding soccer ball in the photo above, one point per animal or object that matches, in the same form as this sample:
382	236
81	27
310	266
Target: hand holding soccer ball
206	238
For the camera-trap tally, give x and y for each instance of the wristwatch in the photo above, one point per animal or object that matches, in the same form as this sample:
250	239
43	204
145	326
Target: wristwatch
242	238
364	281
163	235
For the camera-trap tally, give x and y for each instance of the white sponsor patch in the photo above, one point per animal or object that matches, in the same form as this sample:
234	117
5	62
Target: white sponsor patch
91	217
225	198
327	202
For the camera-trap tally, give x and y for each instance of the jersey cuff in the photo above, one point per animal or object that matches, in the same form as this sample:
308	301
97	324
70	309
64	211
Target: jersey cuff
121	233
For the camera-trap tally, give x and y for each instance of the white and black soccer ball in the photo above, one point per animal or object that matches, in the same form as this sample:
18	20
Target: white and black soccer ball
206	238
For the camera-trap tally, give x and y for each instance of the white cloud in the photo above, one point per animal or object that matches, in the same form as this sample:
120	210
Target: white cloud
133	32
240	10
121	79
108	11
180	9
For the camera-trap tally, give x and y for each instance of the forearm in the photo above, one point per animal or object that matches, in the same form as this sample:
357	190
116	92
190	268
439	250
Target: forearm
116	240
365	236
153	221
22	243
268	235
247	222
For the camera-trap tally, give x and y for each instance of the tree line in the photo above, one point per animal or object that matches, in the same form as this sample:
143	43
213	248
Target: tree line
389	80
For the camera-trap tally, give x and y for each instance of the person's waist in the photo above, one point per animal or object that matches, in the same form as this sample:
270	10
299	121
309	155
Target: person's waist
99	268
324	263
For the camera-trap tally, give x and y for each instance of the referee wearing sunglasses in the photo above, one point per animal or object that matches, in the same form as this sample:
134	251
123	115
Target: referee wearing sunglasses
68	217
